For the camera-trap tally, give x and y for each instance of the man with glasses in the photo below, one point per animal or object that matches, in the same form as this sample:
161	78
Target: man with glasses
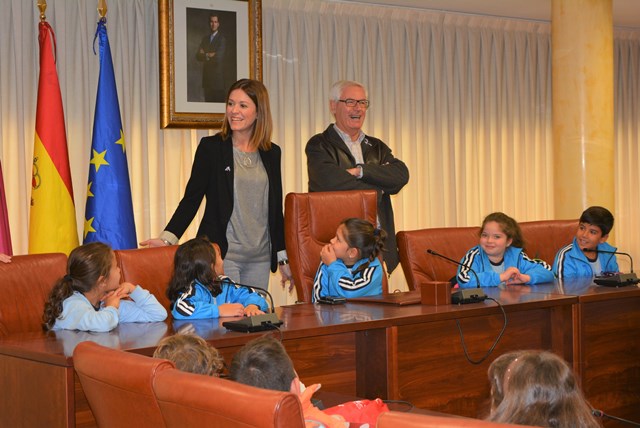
345	158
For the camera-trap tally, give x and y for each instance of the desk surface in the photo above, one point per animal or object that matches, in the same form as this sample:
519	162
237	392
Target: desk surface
414	351
301	320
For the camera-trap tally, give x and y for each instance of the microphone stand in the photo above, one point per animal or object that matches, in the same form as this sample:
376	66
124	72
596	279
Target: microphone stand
600	414
616	279
464	295
268	321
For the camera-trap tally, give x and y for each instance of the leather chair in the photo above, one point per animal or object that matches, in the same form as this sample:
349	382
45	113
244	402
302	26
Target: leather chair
419	267
192	400
544	238
25	284
311	220
151	268
119	385
416	420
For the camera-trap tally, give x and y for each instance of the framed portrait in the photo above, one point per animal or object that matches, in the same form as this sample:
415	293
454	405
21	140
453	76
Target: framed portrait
205	46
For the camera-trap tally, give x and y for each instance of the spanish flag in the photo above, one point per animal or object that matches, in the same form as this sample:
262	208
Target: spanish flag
109	209
52	224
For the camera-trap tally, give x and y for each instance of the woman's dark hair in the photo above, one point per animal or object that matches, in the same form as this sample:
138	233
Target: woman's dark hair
509	226
361	234
194	261
85	266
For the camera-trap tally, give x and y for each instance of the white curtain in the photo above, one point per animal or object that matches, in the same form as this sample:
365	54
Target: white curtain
627	135
463	100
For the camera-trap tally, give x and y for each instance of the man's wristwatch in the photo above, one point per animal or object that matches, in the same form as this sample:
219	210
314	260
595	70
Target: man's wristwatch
167	243
283	262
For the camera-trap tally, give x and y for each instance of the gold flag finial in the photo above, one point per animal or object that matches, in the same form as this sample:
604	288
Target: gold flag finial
42	5
102	8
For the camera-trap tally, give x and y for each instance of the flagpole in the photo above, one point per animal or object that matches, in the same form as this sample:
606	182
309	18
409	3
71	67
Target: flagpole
102	8
42	5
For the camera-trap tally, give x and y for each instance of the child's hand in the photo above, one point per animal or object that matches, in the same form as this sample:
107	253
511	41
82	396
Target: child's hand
231	310
112	298
327	255
509	275
251	310
521	278
126	288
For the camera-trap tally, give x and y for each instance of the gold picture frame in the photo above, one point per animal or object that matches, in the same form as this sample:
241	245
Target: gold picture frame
183	90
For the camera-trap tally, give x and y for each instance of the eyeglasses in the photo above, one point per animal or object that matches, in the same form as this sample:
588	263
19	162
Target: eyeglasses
350	102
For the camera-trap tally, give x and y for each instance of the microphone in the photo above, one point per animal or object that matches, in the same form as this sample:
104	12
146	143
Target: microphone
609	279
254	323
602	415
464	295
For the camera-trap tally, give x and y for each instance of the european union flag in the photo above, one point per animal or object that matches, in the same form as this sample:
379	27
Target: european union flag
109	211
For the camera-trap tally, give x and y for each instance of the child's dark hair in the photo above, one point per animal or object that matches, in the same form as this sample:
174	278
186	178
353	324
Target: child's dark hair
194	260
369	240
86	264
263	363
598	216
509	227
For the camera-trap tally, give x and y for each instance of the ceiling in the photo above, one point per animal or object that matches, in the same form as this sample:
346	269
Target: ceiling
626	13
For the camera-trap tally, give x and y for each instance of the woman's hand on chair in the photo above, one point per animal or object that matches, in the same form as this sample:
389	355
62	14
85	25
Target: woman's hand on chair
285	271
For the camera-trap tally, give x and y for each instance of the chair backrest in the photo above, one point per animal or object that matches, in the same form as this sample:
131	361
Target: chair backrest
192	400
311	220
151	268
119	385
25	284
544	238
416	420
419	267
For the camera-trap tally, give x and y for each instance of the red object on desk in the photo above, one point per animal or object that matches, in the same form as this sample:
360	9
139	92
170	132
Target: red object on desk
359	411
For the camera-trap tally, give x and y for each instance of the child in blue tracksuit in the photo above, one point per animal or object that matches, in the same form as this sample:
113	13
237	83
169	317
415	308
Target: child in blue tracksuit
90	296
499	258
589	253
350	266
196	291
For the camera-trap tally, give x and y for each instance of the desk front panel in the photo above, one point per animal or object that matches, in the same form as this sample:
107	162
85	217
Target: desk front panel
610	355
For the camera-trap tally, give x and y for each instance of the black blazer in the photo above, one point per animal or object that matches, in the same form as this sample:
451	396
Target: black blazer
212	177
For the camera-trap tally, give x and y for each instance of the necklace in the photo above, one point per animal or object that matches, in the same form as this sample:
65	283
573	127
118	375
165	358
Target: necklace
246	159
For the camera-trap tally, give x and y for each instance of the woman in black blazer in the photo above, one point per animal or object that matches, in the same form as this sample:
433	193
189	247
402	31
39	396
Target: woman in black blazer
237	171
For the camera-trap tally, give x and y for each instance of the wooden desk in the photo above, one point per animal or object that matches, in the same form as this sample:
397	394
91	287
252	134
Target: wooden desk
606	346
410	353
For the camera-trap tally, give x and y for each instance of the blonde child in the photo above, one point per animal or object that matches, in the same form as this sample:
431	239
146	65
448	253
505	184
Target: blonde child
537	388
350	266
499	258
196	290
90	297
191	353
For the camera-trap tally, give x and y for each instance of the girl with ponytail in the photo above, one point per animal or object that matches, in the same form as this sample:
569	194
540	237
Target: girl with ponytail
350	265
90	297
